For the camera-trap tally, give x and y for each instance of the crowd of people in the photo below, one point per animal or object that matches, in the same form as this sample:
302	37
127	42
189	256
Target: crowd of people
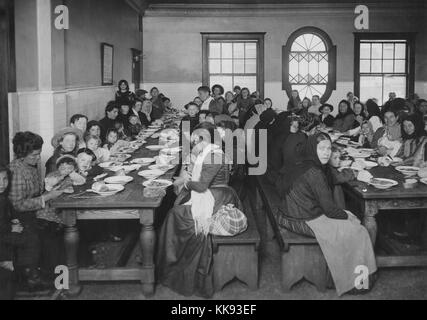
302	163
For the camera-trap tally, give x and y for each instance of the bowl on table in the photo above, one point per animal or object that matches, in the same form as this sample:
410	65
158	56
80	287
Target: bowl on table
106	189
408	170
143	161
151	174
123	180
383	184
155	147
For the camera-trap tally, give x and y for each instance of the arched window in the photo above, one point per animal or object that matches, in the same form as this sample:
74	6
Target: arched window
309	64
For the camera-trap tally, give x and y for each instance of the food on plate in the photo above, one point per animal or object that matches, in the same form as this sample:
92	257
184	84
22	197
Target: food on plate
100	187
380	182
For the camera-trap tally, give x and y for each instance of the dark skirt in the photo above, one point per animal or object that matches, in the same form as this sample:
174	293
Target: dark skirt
184	262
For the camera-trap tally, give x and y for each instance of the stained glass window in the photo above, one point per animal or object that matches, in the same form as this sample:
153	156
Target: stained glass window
309	65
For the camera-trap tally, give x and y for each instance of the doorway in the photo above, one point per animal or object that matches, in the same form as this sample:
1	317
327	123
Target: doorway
7	72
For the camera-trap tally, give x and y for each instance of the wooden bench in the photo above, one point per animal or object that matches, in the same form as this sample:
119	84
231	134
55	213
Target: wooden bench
237	257
301	257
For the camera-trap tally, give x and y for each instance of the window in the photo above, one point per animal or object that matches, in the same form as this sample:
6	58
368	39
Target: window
383	64
309	64
234	60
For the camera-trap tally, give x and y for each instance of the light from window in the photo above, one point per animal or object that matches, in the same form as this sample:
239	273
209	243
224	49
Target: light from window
308	65
383	69
233	63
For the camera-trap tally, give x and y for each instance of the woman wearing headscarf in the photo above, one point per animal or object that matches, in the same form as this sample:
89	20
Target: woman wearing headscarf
184	262
373	113
388	138
345	119
413	151
124	97
309	209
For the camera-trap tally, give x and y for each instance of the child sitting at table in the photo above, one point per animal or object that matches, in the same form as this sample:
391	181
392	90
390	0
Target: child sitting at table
135	126
94	143
121	131
60	179
86	161
366	134
113	142
338	177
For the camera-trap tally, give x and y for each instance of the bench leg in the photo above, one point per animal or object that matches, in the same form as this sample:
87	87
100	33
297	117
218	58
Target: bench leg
291	267
236	262
315	268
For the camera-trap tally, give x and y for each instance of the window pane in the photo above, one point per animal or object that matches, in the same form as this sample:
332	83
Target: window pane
388	49
227	66
376	51
248	82
376	66
388	66
251	51
239	66
365	66
293	68
400	51
239	50
250	66
303	68
225	81
394	84
214	50
371	87
317	44
365	51
227	50
400	66
323	68
214	66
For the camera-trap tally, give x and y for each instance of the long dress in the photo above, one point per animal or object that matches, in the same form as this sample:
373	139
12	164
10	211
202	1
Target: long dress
185	258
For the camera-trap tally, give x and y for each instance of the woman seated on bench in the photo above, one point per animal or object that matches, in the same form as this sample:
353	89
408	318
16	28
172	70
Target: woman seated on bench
310	210
184	262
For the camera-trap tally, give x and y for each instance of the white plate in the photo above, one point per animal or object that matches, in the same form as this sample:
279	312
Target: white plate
390	183
408	171
165	183
109	164
165	168
155	148
370	164
171	151
121	157
127	169
118	180
151	174
143	161
424	180
113	189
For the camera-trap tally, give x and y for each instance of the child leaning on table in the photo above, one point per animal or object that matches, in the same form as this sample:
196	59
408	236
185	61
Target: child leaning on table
339	177
135	126
114	144
94	143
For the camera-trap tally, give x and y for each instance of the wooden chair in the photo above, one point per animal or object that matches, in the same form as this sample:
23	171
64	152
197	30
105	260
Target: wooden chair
301	257
237	257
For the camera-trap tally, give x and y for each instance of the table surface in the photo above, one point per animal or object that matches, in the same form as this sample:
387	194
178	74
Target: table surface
366	191
130	198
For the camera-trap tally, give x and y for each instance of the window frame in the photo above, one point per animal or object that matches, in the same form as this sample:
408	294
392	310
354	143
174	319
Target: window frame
332	60
409	37
239	36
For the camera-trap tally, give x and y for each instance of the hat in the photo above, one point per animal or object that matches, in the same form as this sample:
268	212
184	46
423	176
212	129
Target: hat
326	105
63	132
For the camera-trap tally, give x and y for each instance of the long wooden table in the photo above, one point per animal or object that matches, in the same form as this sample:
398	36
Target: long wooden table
131	198
373	200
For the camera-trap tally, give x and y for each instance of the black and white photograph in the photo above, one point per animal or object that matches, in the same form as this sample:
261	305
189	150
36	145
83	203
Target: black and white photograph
213	155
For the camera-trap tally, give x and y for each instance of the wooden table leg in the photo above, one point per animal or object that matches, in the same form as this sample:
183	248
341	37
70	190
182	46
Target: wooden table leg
148	242
71	238
369	219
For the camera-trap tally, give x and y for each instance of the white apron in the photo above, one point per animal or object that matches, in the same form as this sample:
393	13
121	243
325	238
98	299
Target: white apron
202	204
346	246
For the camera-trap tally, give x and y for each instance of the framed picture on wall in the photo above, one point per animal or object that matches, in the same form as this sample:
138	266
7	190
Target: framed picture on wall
107	58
